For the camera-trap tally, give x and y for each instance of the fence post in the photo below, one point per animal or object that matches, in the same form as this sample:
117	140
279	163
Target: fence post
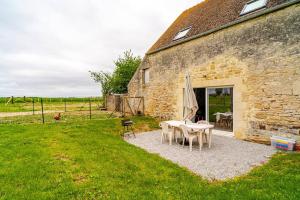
43	117
33	105
65	105
90	108
12	99
24	99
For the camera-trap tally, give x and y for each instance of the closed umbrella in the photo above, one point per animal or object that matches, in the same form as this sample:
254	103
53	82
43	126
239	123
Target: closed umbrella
190	102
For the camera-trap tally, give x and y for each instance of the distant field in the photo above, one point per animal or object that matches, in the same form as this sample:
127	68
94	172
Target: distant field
48	99
49	117
21	104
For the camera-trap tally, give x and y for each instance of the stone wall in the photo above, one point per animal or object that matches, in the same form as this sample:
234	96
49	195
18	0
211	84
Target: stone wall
260	58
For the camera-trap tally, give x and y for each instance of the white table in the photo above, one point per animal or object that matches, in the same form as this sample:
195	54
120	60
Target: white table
218	114
199	128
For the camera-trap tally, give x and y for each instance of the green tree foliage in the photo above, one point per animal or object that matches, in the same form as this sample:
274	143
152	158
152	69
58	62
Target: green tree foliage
125	67
105	80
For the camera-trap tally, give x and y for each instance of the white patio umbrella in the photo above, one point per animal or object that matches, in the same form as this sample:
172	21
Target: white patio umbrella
190	105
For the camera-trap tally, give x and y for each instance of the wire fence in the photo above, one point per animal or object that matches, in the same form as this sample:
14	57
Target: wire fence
49	110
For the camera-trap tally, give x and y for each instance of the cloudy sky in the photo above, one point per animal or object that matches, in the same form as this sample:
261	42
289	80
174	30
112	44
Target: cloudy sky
47	47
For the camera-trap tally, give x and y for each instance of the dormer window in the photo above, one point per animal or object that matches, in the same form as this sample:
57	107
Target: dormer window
253	6
182	33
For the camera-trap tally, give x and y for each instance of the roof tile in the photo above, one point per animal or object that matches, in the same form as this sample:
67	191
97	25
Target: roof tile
205	16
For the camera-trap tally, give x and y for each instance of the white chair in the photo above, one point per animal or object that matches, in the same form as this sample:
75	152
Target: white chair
188	135
205	134
203	122
177	134
188	121
165	132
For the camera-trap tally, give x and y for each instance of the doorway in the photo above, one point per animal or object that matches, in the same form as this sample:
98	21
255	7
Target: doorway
220	107
201	100
216	106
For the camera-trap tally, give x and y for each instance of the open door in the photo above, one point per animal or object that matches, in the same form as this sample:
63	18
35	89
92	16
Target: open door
201	100
216	107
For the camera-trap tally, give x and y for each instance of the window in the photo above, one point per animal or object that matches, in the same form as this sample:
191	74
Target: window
146	76
182	34
253	6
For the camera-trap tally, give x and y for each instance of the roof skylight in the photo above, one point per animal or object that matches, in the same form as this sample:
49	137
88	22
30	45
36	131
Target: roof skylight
253	6
182	33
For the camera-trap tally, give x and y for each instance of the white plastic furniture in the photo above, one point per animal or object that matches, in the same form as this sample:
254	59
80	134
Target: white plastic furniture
199	128
188	135
204	132
203	122
165	132
224	119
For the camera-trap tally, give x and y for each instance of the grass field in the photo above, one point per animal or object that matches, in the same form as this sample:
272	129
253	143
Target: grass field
20	104
89	160
48	117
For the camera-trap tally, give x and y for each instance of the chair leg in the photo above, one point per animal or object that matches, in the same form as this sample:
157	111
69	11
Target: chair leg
205	135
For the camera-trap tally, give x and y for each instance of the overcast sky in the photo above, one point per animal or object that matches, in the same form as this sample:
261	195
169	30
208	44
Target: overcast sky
47	47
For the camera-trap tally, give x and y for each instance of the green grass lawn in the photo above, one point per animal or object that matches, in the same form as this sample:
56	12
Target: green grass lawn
74	116
89	160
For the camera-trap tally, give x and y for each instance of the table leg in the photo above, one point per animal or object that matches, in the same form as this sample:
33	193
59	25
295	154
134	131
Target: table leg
209	137
171	136
174	135
200	138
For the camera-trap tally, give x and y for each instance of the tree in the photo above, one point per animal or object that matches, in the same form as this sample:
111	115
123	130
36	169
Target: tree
125	67
219	91
105	80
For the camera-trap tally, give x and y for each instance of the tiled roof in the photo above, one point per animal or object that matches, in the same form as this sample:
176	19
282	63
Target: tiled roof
205	16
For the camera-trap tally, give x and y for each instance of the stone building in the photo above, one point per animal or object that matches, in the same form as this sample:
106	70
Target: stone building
243	58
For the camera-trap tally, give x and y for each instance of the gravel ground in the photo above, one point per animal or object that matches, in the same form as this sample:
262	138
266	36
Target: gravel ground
227	158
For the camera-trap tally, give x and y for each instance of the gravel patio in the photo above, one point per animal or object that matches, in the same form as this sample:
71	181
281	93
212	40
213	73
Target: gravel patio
227	158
